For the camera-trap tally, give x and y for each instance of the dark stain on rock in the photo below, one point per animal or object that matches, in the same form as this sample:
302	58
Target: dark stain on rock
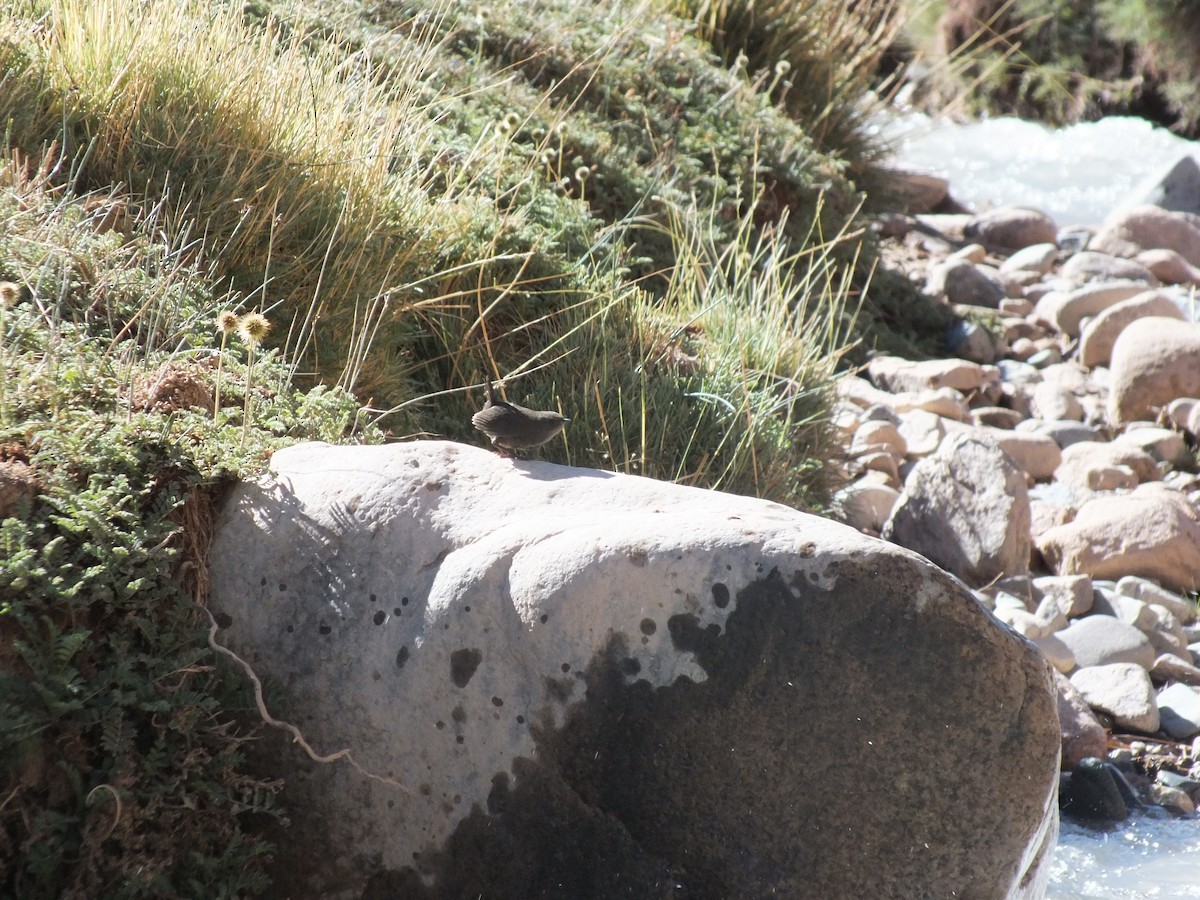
458	714
380	617
630	666
498	796
648	626
496	701
631	793
559	689
402	657
324	628
463	664
720	595
801	578
224	620
587	853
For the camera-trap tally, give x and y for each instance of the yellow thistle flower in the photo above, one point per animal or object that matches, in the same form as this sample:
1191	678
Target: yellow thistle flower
227	322
253	328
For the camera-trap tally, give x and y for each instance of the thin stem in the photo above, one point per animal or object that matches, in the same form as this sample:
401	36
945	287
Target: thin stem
249	394
220	365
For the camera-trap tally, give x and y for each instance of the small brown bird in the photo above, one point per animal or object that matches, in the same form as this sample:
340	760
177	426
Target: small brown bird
513	427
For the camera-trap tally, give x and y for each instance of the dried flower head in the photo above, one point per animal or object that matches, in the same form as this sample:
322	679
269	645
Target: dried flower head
582	173
782	67
10	293
253	328
227	322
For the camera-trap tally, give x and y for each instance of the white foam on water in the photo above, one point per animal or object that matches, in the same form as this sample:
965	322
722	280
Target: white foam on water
1150	856
1077	175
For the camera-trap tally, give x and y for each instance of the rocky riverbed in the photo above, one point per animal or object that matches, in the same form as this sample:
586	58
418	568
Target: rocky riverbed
1050	463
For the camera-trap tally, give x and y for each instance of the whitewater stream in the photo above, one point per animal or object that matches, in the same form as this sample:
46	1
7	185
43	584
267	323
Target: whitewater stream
1076	175
1145	857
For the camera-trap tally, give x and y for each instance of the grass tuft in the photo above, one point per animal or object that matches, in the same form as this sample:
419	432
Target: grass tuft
819	59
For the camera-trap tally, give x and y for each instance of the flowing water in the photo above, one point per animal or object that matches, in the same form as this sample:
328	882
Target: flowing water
1148	856
1077	175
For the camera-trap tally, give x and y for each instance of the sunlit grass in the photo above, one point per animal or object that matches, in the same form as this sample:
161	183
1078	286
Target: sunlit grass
300	178
724	381
817	58
314	187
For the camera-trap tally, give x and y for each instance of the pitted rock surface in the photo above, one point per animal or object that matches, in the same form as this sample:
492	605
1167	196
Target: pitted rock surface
564	682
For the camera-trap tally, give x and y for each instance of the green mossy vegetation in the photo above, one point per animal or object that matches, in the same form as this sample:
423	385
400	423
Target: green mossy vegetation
121	751
584	199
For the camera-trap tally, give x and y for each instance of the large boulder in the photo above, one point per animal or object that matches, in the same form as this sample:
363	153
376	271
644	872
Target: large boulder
961	282
1011	228
1130	231
1153	532
893	373
1100	640
1100	334
558	682
1169	267
1082	734
1065	312
966	508
1038	455
1122	690
1082	464
1154	361
1088	265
